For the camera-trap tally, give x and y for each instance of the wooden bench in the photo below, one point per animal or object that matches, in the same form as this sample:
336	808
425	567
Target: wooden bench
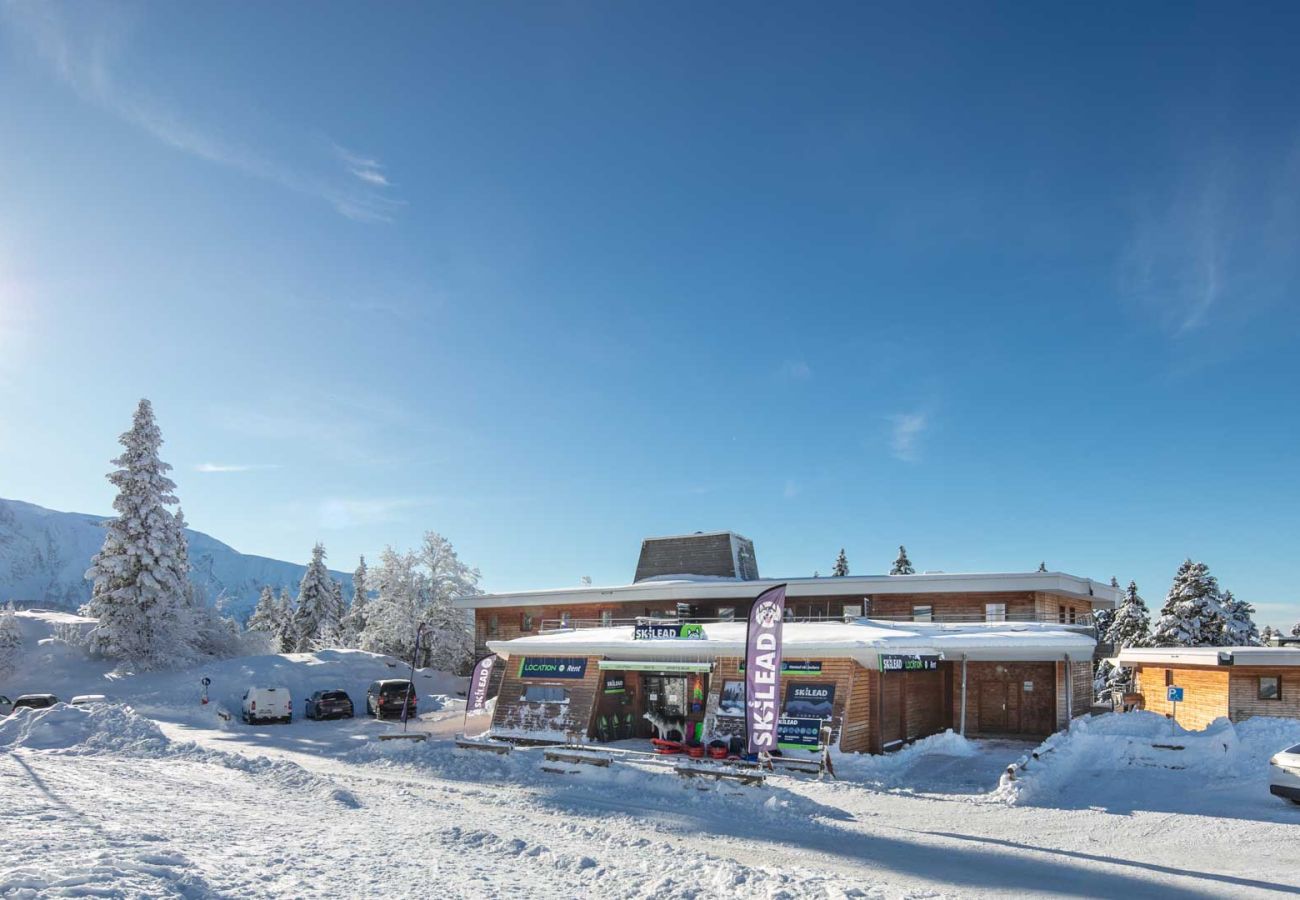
490	747
404	736
747	777
571	756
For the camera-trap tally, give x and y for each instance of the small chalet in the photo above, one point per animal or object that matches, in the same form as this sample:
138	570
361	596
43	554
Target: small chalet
1237	682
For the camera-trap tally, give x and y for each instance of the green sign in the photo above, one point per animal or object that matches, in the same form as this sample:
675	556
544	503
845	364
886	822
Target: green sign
797	667
551	667
668	631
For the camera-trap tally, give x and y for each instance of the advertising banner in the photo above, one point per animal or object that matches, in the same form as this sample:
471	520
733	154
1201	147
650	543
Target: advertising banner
548	667
478	685
797	667
668	631
807	700
763	670
799	733
614	684
908	662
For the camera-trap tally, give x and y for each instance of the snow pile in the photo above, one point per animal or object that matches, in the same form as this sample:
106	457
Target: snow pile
1106	745
888	768
94	729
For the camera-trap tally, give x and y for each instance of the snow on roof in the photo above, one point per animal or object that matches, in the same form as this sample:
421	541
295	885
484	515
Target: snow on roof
1211	656
862	639
695	587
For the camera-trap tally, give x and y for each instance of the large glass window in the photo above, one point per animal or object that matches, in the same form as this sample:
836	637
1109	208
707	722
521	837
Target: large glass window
1270	687
545	693
995	612
922	613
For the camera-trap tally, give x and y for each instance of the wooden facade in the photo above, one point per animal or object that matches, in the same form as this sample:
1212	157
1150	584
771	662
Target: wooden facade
1212	692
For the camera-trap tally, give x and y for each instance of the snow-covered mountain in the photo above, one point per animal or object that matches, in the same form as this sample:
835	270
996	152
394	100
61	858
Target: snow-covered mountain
44	555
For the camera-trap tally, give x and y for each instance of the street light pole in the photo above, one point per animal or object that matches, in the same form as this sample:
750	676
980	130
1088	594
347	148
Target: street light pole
410	682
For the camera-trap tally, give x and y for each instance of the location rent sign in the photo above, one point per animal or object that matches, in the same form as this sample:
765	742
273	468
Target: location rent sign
908	662
548	667
763	670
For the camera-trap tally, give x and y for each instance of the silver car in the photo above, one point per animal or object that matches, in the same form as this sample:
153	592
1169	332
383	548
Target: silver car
1284	774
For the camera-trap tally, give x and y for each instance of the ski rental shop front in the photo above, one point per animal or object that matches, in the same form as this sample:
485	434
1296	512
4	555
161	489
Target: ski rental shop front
862	685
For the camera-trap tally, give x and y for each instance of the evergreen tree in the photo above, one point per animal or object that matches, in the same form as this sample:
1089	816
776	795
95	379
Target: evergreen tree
136	596
1295	630
1130	626
315	603
1193	612
841	565
354	622
1239	623
266	616
285	638
902	565
11	638
1266	636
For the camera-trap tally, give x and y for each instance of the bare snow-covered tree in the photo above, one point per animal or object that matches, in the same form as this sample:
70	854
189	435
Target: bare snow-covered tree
841	565
1295	630
136	594
315	602
451	642
11	638
1238	623
1193	612
902	565
395	614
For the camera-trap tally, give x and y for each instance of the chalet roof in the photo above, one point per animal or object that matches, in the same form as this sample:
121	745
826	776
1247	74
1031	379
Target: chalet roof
1211	656
863	639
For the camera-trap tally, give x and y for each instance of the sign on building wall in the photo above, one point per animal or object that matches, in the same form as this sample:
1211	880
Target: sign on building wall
805	699
550	667
908	662
670	631
614	684
797	667
795	733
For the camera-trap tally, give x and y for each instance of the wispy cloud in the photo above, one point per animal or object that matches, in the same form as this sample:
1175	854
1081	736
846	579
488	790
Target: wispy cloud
82	48
906	431
363	167
209	467
796	370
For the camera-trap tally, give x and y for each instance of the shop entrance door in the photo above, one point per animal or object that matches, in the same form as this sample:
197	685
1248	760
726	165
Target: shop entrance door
993	707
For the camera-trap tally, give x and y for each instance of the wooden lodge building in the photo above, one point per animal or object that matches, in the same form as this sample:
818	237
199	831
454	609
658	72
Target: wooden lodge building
881	659
1236	682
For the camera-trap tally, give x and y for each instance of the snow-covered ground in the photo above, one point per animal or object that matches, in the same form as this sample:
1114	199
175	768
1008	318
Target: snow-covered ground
157	796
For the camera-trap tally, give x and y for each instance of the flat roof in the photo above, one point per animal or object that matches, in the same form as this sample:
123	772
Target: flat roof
690	587
1209	656
862	639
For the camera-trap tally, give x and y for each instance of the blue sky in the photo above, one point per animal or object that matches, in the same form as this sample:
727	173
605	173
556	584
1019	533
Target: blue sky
1003	285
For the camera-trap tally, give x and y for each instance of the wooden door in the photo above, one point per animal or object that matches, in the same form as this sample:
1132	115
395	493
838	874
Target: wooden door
891	709
993	707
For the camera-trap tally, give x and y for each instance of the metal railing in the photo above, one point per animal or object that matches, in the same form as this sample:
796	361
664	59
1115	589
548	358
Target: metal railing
1081	621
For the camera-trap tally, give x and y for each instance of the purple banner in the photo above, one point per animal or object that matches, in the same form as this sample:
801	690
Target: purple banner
478	685
763	670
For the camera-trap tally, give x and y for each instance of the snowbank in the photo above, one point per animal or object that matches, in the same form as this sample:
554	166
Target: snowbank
1108	745
887	768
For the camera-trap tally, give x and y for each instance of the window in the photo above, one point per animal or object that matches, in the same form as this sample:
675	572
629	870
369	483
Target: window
1270	687
995	612
493	624
1169	677
922	613
726	613
1072	620
526	622
564	620
545	693
1060	613
607	617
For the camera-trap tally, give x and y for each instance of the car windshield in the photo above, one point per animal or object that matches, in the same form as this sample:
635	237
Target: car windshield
1295	750
394	689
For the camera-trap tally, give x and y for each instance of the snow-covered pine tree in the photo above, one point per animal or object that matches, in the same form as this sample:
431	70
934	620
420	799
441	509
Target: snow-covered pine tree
11	638
902	565
1193	612
1295	630
451	641
1266	636
1238	623
1131	624
841	565
354	622
315	602
265	617
285	639
136	595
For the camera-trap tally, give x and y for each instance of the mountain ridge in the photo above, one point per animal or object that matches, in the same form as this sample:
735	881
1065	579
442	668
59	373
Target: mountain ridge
44	554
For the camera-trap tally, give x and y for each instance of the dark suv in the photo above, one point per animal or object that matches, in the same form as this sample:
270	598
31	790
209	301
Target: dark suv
329	705
35	701
384	698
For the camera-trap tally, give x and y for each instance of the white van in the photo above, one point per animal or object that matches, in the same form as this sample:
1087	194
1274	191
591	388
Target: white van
263	704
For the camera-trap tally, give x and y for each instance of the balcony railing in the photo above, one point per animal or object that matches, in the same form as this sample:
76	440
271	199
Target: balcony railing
1079	621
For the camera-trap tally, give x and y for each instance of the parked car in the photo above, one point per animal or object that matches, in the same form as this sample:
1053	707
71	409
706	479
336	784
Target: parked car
384	699
87	699
1284	774
35	701
267	704
6	705
329	705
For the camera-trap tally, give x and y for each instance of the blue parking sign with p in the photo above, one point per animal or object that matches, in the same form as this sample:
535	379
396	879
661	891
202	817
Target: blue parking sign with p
1174	694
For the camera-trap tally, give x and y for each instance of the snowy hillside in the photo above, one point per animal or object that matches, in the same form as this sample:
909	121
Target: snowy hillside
44	555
